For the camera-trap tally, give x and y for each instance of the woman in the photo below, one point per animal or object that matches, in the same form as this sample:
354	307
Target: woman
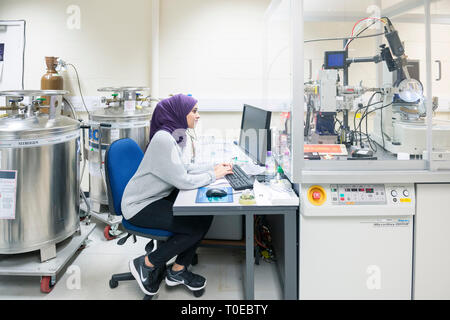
149	196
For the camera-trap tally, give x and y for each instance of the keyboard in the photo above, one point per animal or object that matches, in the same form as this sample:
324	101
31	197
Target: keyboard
239	180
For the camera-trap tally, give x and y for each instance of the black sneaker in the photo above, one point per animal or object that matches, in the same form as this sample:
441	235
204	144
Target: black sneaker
191	280
148	278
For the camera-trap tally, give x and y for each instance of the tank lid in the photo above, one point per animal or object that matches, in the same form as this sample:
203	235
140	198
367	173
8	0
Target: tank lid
17	127
120	113
122	89
33	93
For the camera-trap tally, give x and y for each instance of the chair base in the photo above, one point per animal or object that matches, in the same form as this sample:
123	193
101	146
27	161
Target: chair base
114	282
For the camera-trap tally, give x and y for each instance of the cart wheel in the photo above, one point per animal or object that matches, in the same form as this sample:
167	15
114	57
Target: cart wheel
198	293
46	284
107	235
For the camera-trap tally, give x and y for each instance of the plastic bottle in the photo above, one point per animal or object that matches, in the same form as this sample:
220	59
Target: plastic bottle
286	161
270	165
280	172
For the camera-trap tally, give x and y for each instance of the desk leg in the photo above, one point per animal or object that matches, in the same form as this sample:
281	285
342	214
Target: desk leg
290	256
249	258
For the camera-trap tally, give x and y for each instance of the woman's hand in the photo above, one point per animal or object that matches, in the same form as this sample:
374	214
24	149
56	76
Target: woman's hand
222	170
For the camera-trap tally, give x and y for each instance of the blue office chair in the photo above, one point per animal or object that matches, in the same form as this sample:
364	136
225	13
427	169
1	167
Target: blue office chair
122	160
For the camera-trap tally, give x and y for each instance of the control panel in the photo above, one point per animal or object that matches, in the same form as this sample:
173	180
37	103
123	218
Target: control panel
357	199
352	194
360	194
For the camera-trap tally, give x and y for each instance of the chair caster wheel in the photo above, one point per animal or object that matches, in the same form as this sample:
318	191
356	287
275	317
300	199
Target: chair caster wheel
148	297
113	283
198	293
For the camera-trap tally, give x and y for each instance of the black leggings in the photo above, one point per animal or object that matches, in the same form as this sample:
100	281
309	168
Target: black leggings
188	231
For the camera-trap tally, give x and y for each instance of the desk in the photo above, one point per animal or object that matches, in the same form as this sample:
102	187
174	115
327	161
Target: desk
185	206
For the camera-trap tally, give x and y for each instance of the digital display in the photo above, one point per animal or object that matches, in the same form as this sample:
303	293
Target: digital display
335	59
369	190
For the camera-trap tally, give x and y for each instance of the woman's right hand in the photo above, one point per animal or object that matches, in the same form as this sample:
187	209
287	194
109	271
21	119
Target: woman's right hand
221	170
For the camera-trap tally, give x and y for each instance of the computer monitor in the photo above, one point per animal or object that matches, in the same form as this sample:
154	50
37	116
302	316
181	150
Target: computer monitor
255	134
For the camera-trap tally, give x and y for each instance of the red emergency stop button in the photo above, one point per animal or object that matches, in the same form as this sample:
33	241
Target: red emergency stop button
317	195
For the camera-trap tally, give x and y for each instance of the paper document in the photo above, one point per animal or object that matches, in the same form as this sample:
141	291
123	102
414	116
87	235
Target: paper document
265	194
220	182
252	169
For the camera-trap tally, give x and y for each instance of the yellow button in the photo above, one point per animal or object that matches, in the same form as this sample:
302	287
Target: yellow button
405	200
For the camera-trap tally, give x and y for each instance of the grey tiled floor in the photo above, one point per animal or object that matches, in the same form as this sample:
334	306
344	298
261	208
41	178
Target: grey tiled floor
87	275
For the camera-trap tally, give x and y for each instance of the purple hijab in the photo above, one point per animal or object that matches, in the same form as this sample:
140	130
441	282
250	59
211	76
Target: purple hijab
170	115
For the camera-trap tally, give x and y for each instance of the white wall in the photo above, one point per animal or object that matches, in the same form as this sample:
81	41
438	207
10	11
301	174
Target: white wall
212	49
111	48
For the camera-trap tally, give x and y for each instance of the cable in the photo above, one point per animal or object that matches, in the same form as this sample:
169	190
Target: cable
368	18
365	116
344	38
74	114
385	106
79	87
375	20
23	56
381	129
357	36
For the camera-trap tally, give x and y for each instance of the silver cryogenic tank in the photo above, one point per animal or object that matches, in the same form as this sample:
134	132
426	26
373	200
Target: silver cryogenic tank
39	173
124	117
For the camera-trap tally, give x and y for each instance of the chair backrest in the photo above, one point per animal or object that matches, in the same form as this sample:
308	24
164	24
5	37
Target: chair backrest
122	160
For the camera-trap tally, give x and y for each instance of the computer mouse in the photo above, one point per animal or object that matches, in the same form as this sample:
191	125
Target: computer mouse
216	193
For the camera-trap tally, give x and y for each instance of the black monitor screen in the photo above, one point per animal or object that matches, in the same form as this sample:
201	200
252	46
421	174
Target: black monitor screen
255	133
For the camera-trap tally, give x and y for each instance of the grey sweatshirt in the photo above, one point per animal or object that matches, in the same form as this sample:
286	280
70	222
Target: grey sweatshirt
161	170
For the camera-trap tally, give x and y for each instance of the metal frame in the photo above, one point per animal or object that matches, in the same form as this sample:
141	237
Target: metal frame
288	271
412	170
27	264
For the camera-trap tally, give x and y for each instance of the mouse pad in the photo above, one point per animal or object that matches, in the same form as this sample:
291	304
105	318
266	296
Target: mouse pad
202	198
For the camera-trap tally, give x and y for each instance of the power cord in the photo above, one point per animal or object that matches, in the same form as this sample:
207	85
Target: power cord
79	87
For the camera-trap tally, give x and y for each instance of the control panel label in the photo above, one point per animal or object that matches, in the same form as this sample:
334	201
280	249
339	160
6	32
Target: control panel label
389	222
354	194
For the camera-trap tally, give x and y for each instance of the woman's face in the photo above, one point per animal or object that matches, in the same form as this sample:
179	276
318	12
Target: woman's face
193	117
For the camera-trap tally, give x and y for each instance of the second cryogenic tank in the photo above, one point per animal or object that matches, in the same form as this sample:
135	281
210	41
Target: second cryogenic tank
123	117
